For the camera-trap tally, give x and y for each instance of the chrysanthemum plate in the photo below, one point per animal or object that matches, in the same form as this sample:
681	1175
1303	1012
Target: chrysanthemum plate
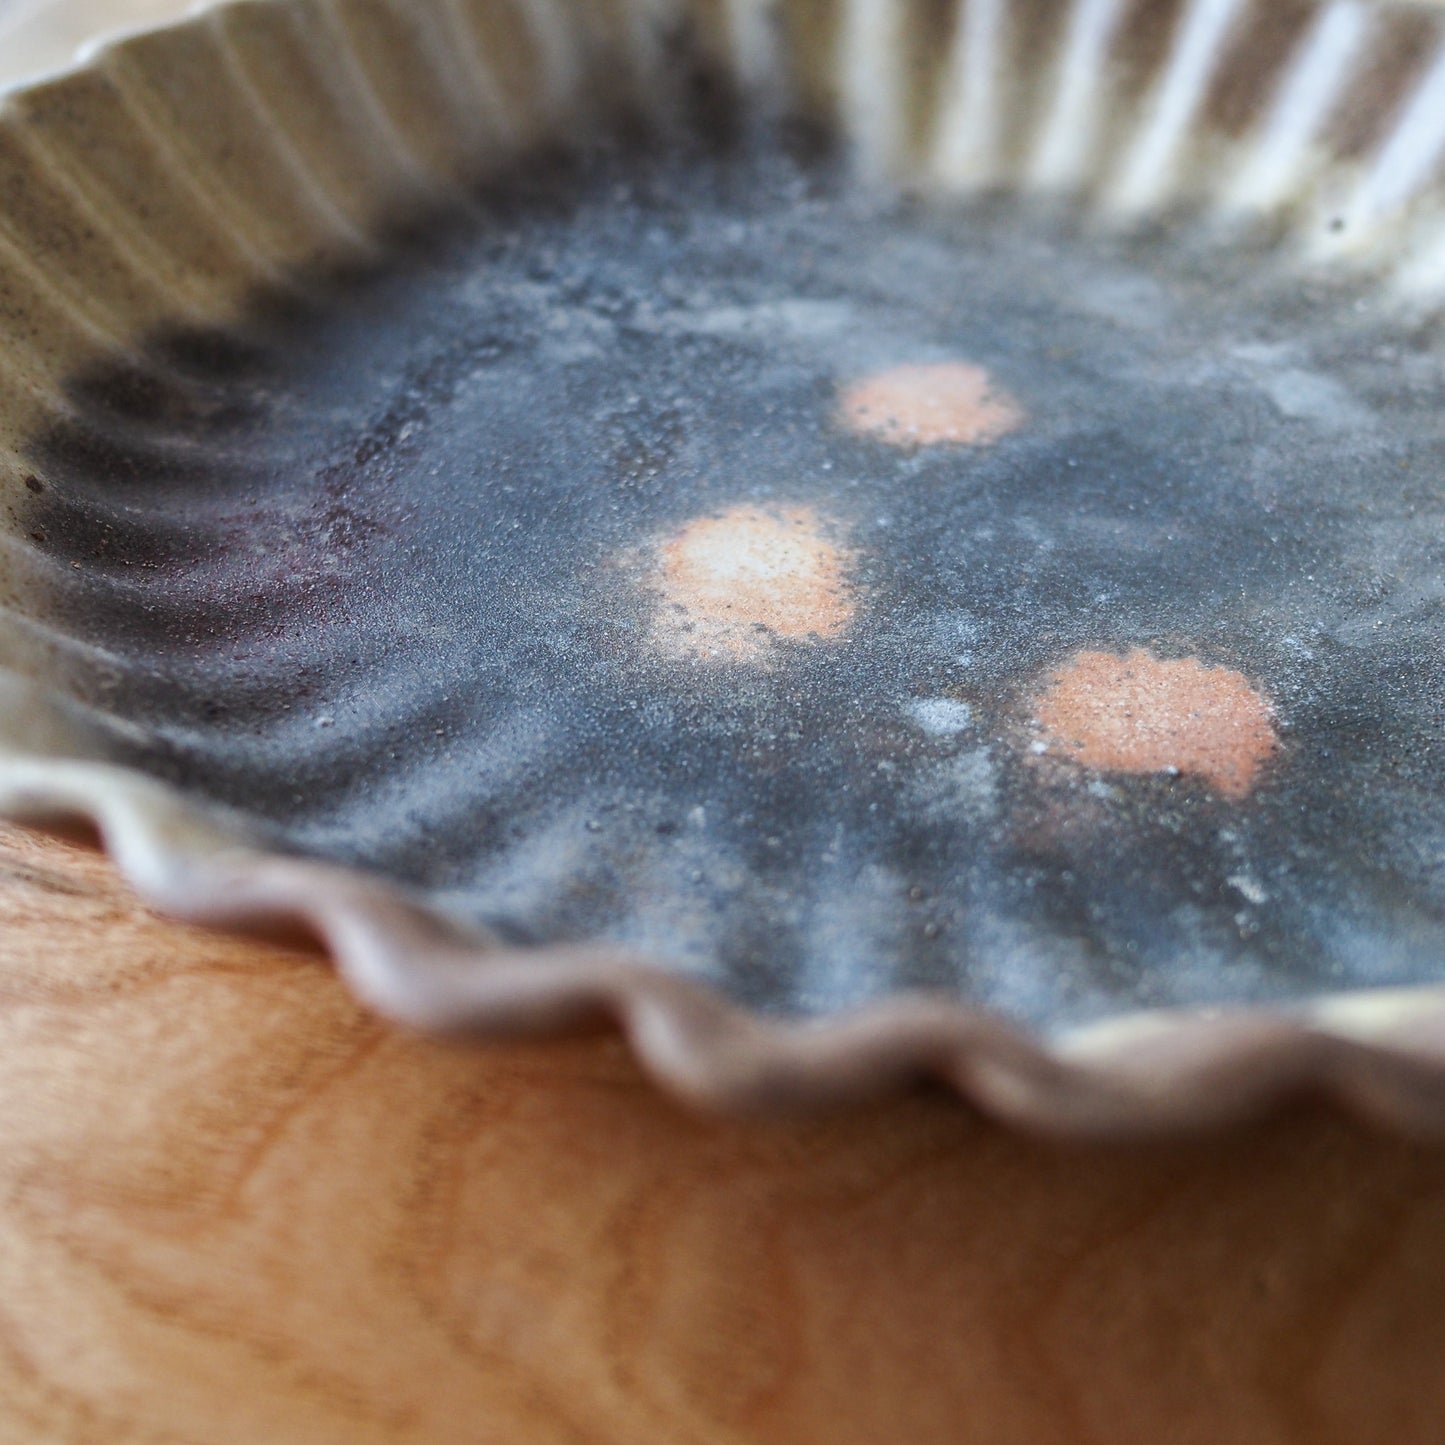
860	538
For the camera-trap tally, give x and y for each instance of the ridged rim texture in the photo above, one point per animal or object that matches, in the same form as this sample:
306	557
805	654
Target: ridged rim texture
173	173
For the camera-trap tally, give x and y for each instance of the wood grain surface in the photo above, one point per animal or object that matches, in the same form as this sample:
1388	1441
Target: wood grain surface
233	1208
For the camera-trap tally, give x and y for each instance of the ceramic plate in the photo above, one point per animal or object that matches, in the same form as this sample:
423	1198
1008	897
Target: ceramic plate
860	539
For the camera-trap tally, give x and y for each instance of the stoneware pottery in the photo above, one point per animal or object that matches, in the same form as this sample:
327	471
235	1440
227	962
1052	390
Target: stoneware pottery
860	539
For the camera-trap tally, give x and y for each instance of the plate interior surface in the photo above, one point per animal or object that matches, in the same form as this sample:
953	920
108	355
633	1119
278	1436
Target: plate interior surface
819	593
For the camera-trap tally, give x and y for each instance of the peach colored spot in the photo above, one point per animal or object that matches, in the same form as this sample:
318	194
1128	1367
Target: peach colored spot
734	584
1142	714
919	406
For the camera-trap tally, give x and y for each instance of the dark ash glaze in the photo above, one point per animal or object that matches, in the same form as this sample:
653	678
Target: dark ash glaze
387	571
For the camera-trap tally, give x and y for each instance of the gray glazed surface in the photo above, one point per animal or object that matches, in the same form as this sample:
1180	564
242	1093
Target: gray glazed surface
380	573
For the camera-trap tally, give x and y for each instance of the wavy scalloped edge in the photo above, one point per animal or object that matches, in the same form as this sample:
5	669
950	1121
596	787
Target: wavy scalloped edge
1380	1052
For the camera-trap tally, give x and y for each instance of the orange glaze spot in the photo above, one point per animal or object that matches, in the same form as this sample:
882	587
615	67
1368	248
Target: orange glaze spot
919	406
1142	714
733	584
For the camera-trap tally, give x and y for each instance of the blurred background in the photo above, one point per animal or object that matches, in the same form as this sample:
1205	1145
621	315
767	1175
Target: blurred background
40	36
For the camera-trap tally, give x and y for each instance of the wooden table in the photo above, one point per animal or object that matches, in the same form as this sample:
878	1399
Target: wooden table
234	1208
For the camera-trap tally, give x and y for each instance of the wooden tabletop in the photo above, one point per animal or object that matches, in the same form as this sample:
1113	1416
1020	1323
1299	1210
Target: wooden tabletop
235	1208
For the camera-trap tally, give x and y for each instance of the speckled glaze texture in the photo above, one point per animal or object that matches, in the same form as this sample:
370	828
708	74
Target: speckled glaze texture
859	540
